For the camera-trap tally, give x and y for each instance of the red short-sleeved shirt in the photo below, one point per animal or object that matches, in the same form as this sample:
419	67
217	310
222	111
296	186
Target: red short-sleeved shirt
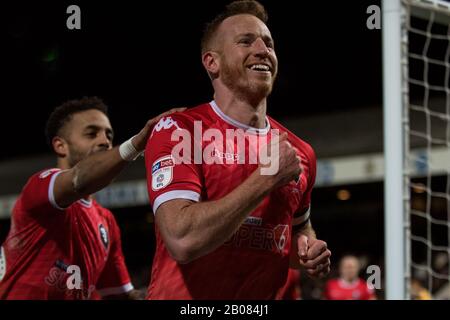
45	240
253	264
338	289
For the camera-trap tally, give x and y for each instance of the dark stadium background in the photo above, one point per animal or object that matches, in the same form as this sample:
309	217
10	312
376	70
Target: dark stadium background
143	59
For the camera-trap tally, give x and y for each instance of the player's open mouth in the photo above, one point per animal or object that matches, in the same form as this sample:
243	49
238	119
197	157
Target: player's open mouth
260	67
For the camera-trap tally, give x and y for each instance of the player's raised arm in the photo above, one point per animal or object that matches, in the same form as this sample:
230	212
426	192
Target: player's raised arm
103	163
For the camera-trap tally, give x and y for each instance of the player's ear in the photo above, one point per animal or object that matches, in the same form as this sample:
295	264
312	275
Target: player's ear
60	146
211	62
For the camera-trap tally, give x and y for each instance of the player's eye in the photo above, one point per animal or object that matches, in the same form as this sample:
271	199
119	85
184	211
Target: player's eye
269	44
245	41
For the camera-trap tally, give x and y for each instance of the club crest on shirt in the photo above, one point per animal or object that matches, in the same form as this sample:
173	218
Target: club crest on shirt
162	172
103	235
2	263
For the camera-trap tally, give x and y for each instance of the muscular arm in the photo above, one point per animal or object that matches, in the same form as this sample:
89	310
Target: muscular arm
99	169
191	230
88	176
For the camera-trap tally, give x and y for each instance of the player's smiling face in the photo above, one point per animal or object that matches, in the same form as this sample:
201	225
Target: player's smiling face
87	132
248	63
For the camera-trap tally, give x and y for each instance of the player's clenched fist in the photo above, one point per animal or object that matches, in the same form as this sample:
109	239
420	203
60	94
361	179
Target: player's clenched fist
283	162
314	256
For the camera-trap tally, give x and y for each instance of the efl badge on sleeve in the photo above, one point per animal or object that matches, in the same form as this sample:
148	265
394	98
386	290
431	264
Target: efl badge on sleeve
162	172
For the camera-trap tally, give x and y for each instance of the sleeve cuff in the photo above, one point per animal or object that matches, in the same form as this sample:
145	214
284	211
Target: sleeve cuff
116	290
51	191
301	219
175	194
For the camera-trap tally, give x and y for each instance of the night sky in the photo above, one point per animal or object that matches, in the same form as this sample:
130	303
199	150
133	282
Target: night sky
144	57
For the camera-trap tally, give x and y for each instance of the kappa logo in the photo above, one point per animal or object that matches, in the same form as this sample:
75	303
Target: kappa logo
162	172
46	173
166	123
103	235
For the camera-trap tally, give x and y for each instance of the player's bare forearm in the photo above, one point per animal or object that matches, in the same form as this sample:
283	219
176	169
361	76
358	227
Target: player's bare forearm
88	176
306	230
191	230
98	170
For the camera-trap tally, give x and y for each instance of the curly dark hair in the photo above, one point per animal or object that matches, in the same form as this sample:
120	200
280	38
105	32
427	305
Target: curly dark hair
251	7
63	114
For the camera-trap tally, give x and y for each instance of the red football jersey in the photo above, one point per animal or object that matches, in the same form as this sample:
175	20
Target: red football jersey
45	240
338	289
253	264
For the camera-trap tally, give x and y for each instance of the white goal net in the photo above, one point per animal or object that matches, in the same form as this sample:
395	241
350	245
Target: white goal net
425	63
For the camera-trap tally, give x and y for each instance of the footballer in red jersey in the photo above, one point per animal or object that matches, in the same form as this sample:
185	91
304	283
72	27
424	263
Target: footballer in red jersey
45	240
349	286
265	235
229	223
62	244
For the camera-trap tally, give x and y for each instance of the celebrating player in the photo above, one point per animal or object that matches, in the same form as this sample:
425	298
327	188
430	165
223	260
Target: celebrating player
62	243
225	228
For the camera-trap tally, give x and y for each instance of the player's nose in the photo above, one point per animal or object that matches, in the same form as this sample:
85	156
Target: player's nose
261	48
104	142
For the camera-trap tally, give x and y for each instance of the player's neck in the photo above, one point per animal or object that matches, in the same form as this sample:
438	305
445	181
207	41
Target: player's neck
251	114
62	164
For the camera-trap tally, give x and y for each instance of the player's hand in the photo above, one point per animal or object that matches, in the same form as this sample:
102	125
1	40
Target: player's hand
289	163
140	140
314	256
